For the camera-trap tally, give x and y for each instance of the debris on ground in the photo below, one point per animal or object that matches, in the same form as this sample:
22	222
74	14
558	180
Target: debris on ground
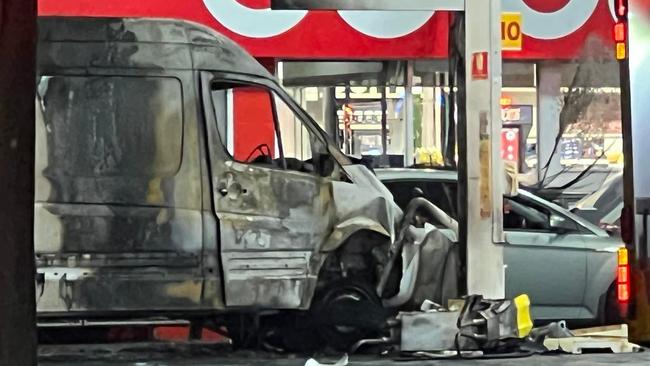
485	328
341	362
611	338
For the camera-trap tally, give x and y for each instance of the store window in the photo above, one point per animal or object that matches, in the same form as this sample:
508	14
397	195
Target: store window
519	115
359	103
431	109
579	127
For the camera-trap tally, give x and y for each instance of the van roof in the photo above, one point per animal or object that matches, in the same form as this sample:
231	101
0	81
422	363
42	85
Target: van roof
94	42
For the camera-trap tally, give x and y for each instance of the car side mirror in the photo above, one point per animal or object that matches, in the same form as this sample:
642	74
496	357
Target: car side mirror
561	224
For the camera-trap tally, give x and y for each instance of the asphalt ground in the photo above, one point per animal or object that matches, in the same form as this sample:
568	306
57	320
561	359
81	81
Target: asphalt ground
163	354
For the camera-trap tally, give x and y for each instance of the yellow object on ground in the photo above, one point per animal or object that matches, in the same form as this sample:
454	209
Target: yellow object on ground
524	321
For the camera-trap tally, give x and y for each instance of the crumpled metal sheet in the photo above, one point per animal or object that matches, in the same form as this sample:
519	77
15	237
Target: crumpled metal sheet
367	204
439	270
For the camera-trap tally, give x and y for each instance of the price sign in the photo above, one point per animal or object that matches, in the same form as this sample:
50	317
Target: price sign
511	34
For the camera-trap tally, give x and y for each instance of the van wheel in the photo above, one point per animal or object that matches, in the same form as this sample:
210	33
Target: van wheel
346	312
242	331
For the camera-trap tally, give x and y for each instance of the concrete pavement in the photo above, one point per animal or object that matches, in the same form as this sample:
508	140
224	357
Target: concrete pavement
209	355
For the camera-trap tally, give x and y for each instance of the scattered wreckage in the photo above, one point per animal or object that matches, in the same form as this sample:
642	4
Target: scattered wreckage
483	329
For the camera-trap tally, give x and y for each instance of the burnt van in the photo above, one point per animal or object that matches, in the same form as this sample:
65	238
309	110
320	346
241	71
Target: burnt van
175	176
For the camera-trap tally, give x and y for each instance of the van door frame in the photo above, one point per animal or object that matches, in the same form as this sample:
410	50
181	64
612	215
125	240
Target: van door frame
252	275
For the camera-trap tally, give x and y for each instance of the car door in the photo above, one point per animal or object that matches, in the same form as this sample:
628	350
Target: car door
271	193
544	261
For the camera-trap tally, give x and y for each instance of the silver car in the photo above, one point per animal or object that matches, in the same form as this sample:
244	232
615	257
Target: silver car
564	263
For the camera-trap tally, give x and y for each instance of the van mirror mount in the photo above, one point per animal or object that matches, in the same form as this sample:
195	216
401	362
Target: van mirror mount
326	165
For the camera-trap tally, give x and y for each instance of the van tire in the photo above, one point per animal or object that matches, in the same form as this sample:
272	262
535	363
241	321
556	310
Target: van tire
347	297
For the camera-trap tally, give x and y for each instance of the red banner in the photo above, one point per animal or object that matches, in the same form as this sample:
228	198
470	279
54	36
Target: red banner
553	29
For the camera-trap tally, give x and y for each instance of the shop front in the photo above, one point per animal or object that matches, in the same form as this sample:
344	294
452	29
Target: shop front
378	82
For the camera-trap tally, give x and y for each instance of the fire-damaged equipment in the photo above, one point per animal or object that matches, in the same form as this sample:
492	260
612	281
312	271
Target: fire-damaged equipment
486	326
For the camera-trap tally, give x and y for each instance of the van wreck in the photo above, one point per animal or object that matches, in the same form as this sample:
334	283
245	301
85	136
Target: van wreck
145	205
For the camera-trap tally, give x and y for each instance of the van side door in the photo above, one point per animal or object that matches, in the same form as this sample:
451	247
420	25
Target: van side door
271	182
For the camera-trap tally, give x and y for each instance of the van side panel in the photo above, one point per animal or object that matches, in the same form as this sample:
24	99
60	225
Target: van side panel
122	222
118	205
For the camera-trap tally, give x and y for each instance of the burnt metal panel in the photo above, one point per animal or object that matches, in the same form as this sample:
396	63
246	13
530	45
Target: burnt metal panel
119	221
74	291
159	56
97	29
123	219
139	43
276	224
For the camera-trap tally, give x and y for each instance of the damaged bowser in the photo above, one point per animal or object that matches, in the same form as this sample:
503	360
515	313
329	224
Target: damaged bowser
174	175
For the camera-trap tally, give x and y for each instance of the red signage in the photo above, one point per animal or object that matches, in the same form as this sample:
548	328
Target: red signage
479	66
552	29
510	145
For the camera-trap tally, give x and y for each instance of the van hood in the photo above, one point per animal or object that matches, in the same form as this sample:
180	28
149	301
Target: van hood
365	204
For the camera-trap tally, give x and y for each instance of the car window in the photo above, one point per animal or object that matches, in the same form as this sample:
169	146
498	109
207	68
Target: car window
441	194
402	191
258	127
518	216
523	214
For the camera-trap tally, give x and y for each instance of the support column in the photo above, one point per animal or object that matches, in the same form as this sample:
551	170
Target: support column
17	135
549	101
408	116
329	114
483	174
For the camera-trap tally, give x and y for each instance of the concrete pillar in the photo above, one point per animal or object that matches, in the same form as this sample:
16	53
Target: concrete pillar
483	167
549	99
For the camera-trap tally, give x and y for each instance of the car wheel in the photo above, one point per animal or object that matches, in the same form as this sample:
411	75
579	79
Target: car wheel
609	310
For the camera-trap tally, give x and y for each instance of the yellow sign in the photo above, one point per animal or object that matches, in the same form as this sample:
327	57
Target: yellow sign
511	33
